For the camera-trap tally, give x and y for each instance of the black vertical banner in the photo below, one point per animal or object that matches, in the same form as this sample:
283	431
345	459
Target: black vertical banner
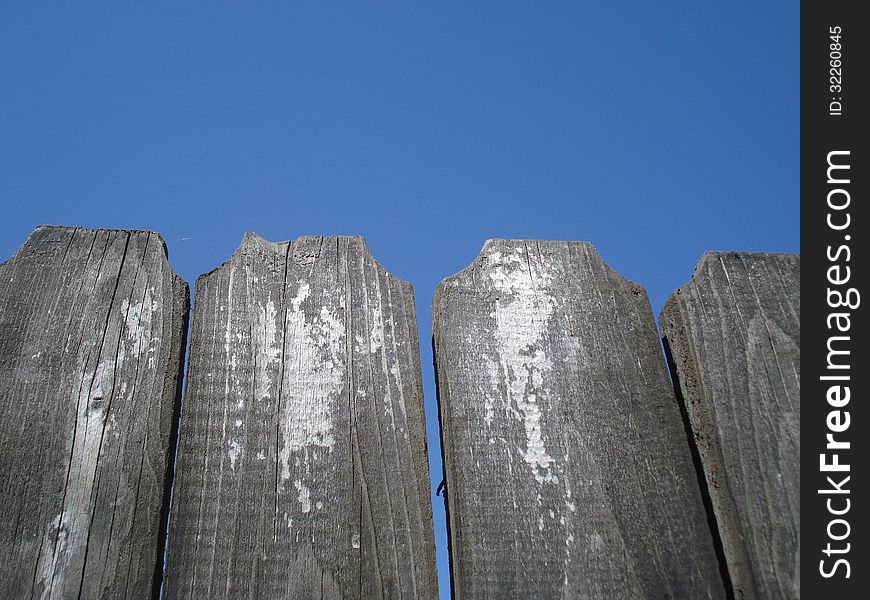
835	433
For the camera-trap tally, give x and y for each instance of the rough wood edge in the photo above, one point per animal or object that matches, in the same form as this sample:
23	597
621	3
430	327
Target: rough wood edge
469	269
252	239
73	228
700	429
686	381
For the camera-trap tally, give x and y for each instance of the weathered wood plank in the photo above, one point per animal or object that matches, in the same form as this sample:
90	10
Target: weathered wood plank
567	466
301	470
92	326
733	334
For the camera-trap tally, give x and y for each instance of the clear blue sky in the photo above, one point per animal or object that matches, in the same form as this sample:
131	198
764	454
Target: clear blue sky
655	130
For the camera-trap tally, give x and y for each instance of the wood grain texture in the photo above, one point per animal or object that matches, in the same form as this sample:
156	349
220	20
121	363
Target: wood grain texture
302	467
733	334
567	466
92	326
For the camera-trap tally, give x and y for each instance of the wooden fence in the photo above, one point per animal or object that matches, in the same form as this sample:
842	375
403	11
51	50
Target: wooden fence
295	466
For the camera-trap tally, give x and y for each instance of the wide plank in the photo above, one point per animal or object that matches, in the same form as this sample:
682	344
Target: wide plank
301	470
92	325
567	466
733	336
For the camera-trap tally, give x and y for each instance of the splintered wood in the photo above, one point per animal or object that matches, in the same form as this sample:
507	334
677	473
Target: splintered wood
301	470
567	466
733	333
91	337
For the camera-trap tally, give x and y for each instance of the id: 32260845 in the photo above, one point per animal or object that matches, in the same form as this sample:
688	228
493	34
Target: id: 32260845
835	60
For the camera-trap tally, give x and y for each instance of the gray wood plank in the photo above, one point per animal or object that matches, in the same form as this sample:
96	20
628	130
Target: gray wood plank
733	334
567	465
302	470
92	325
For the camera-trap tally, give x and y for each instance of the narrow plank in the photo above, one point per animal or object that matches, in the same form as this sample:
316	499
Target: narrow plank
92	325
567	467
733	335
302	470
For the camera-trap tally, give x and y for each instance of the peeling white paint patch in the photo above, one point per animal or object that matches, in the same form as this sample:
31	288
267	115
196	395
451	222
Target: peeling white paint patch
233	453
58	527
522	312
267	343
331	328
596	542
54	543
314	376
376	336
138	329
304	495
301	296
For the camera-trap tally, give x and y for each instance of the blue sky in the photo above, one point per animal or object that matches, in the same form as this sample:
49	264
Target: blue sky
657	131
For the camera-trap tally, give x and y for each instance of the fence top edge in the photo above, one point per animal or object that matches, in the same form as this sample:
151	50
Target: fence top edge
254	240
95	230
489	244
704	262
